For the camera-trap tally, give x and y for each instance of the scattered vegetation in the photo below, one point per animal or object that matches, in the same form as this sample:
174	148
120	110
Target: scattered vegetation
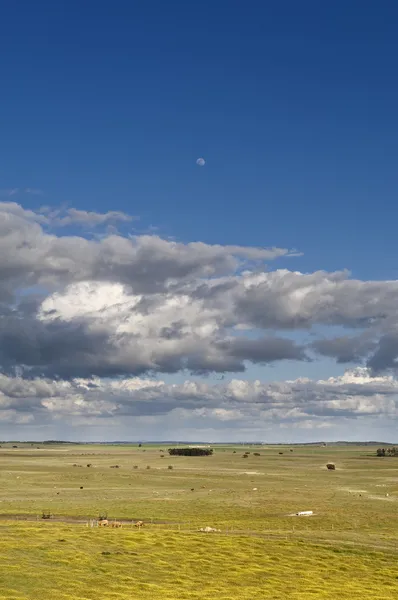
348	549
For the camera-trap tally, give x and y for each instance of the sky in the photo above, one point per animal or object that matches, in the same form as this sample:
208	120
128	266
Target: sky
249	297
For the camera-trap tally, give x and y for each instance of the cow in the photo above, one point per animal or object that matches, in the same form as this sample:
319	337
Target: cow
103	523
139	524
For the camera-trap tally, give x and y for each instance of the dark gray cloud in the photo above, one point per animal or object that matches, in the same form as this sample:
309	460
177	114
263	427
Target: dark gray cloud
346	349
385	357
263	350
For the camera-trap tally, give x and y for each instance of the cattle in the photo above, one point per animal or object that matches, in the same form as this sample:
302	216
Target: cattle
115	524
103	523
139	524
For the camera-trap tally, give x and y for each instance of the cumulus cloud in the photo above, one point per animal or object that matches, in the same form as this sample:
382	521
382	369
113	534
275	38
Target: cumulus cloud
236	405
119	306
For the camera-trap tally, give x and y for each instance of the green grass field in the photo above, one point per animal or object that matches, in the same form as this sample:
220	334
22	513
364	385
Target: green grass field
347	549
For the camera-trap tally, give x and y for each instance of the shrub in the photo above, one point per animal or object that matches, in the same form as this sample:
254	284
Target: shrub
280	452
256	454
170	467
331	466
245	456
135	467
148	467
190	451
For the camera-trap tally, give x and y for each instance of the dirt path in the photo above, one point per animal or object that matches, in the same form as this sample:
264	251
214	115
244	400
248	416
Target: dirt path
77	520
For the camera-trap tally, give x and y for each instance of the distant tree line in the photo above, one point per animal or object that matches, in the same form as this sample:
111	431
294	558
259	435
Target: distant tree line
391	451
190	451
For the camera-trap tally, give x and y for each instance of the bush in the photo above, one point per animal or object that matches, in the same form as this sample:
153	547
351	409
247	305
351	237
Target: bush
245	456
170	467
135	467
391	451
148	467
256	454
190	451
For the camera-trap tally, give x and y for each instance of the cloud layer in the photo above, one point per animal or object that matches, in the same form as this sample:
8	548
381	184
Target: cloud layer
224	409
77	309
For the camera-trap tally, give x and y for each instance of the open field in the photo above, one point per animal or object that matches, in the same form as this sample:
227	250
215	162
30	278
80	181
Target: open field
347	549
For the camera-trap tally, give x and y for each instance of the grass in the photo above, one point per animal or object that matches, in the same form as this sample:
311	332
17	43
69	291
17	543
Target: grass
348	549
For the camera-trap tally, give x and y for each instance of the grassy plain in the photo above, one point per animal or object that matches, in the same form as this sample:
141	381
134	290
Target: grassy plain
347	549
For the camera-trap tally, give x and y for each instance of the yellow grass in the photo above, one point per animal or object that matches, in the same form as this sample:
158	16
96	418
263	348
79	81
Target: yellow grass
348	549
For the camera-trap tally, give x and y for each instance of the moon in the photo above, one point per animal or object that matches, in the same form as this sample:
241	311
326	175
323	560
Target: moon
201	162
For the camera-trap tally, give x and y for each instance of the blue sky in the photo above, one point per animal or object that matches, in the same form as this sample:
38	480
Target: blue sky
293	105
107	106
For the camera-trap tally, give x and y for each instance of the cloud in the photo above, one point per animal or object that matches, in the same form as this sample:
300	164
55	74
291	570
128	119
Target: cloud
234	406
118	305
18	191
346	349
295	300
122	307
86	218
